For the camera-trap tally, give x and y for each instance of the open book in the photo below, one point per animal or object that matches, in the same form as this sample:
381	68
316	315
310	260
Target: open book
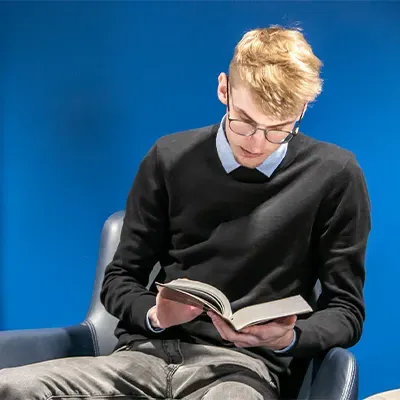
208	297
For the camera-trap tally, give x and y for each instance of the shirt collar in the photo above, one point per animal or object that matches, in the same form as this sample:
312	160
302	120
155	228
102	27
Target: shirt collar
268	166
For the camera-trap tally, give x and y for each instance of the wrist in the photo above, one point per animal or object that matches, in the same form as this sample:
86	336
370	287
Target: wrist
287	342
288	339
153	318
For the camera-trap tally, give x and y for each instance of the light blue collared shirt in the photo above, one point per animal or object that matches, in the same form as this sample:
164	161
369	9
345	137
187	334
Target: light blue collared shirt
268	166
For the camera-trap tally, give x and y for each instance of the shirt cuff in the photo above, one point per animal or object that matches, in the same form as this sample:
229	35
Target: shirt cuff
151	328
290	345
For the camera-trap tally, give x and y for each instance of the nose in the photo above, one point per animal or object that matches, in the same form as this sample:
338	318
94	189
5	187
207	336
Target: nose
257	141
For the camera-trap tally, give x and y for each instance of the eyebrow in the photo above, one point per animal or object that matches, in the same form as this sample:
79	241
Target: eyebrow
239	110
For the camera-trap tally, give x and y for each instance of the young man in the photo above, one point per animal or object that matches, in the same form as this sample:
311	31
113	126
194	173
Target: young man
250	206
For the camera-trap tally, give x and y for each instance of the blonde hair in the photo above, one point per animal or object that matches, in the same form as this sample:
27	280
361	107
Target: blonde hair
280	68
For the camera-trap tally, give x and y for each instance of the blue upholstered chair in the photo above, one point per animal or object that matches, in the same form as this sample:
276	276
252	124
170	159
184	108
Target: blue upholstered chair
332	376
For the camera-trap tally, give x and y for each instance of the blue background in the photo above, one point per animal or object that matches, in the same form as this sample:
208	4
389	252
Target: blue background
88	87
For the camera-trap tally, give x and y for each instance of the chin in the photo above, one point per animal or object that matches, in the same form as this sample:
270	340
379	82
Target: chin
249	163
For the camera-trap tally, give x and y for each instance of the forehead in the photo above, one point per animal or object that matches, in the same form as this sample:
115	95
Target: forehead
243	99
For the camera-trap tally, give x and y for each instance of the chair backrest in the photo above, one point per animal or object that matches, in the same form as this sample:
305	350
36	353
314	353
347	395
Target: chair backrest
100	322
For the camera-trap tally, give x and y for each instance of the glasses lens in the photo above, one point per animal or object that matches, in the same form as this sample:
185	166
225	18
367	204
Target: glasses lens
246	129
276	136
241	128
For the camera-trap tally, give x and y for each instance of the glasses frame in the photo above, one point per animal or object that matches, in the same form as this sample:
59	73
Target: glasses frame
290	134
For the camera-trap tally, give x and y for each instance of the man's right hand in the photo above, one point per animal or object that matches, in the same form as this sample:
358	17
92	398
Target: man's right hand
168	313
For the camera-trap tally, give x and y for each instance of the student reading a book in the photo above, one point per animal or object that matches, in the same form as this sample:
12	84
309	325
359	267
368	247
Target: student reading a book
250	206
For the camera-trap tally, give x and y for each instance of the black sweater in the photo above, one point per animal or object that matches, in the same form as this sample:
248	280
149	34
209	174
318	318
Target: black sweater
255	241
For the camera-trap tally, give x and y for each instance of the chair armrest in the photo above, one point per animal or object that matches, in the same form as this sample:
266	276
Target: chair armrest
21	347
336	377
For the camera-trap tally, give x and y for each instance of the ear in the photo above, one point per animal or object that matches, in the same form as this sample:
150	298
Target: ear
222	88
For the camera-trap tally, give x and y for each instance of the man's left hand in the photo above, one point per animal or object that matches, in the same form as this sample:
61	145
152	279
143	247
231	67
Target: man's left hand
275	335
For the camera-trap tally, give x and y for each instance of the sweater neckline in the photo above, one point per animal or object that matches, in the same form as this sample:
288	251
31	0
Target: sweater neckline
293	149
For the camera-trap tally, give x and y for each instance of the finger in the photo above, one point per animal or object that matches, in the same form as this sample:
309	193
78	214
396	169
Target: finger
195	309
251	341
290	320
262	330
220	330
241	344
266	331
231	335
222	327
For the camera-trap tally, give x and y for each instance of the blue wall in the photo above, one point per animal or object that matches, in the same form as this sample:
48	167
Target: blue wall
88	87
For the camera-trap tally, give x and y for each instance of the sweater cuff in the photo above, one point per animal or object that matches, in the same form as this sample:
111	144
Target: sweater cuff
305	342
139	309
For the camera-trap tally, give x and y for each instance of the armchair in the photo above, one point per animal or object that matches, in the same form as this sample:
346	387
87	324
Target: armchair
332	376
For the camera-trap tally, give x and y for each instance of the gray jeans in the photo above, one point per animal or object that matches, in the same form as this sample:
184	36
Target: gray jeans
156	369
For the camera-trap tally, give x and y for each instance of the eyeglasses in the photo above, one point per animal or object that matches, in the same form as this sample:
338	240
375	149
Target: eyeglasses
276	136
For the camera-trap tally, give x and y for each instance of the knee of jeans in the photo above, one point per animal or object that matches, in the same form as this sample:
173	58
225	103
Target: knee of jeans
16	384
233	390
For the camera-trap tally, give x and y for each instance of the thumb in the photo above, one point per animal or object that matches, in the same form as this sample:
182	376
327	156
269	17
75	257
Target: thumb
289	320
196	309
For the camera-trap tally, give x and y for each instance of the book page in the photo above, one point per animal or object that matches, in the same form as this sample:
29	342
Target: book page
262	313
196	292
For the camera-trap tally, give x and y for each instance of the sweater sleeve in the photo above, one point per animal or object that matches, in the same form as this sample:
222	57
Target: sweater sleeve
343	225
143	240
